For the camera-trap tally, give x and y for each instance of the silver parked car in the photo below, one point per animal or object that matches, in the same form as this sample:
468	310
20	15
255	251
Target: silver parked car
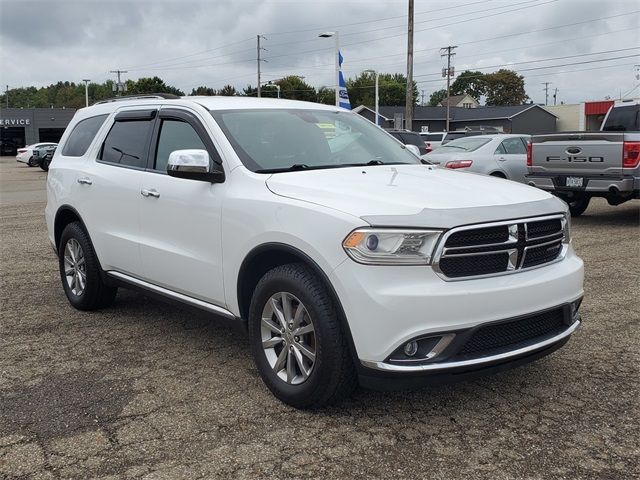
498	155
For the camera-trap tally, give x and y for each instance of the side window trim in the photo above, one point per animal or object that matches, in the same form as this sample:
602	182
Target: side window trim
130	115
190	119
501	150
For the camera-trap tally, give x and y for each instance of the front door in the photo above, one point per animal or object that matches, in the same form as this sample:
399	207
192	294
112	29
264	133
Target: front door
179	218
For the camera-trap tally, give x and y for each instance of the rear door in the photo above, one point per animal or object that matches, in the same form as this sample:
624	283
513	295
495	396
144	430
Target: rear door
109	190
511	158
180	220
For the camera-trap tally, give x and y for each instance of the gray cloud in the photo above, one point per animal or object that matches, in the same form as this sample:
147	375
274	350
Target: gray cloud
46	41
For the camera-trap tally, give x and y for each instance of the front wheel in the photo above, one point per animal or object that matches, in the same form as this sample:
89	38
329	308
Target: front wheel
44	164
297	341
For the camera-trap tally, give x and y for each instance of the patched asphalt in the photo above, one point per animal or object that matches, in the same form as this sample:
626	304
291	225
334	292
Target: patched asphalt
149	390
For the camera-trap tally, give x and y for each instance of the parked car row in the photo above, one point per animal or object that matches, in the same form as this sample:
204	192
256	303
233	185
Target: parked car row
37	155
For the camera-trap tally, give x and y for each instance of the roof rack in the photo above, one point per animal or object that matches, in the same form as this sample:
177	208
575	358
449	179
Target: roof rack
166	96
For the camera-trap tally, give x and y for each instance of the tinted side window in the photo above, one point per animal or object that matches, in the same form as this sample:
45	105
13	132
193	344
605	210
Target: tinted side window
126	143
500	149
413	139
82	136
514	146
623	119
175	135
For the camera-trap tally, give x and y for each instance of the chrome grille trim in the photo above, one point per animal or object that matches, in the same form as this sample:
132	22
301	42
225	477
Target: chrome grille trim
516	257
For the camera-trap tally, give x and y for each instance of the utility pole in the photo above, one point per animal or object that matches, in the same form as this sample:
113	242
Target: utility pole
555	95
259	50
422	98
86	91
448	52
120	87
408	109
546	92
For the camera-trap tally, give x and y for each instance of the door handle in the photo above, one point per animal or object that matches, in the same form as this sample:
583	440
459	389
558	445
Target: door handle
150	192
502	159
85	181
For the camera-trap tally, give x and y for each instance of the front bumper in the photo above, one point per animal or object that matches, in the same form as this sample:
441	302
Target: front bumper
625	184
386	307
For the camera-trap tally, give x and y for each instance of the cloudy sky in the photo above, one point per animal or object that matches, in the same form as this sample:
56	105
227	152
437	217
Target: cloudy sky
589	46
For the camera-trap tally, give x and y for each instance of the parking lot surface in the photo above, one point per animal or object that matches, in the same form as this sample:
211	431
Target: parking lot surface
148	390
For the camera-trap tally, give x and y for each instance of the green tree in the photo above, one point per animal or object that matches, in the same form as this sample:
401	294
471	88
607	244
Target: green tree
250	91
228	91
470	83
295	88
392	88
505	87
326	95
436	97
202	90
151	85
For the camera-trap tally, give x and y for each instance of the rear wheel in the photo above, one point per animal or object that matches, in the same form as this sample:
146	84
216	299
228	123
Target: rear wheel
80	271
577	204
297	340
498	175
32	162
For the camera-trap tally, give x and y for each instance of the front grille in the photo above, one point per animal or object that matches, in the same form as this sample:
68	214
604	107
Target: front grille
502	337
505	247
465	266
468	238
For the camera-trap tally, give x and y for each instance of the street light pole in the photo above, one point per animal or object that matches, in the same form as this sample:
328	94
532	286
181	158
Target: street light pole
336	35
86	91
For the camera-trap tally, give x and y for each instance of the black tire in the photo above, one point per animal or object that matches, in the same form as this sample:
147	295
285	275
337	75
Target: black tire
578	204
32	162
498	175
44	164
333	376
95	294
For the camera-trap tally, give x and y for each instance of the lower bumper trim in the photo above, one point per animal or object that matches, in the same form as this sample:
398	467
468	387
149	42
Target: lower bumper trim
475	362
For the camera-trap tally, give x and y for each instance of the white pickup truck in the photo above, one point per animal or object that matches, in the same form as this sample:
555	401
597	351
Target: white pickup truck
577	166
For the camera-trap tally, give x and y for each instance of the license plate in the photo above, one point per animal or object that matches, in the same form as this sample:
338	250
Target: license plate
574	181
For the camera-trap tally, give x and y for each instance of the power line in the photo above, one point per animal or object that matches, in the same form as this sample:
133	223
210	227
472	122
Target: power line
549	66
546	92
545	60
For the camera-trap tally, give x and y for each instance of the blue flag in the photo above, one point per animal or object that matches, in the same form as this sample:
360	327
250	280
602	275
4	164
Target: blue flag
342	87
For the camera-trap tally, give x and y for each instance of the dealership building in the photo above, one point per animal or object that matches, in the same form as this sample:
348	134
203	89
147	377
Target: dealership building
25	126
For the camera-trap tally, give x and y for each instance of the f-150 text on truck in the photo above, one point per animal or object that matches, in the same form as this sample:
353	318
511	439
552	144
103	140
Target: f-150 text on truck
348	258
579	165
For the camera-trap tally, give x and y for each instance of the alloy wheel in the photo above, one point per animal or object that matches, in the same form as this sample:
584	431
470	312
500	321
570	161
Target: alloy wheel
288	338
75	268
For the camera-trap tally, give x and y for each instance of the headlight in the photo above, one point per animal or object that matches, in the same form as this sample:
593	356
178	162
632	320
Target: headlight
391	247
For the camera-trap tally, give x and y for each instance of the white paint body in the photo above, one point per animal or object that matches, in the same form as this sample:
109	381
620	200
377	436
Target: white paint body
193	238
27	153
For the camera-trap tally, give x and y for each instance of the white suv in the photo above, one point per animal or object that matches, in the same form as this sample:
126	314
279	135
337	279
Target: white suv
349	260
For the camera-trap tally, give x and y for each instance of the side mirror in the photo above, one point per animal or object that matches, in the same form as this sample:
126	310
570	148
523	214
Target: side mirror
413	149
194	165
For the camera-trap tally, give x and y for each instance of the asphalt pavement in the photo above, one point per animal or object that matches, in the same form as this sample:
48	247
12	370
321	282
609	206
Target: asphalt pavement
149	390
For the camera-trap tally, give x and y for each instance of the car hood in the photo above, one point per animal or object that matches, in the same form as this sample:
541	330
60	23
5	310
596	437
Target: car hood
415	195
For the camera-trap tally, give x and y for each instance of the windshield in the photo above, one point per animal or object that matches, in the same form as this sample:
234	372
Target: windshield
465	144
271	140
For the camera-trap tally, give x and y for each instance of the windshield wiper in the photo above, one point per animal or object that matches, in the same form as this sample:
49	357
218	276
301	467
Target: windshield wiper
293	168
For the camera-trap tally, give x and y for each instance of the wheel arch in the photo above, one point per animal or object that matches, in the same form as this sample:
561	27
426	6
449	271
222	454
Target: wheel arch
65	215
270	255
499	174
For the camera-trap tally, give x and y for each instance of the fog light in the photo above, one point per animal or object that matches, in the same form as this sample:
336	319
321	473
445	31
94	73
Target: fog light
411	348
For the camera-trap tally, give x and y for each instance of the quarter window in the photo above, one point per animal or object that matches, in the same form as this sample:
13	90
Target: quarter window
175	135
514	146
126	143
82	136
